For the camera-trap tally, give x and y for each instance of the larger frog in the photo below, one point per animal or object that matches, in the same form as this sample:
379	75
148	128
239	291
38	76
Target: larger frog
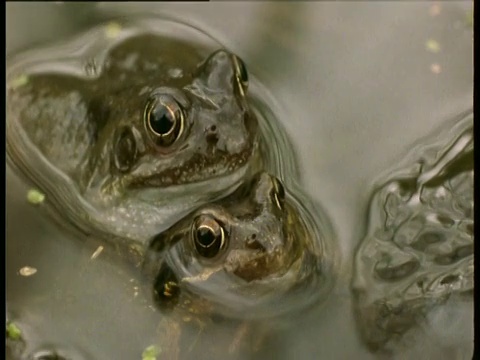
146	131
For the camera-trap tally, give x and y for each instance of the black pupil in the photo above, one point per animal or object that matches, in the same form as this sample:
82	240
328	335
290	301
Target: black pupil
161	119
205	236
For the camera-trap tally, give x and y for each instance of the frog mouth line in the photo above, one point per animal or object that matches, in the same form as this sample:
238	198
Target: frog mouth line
189	173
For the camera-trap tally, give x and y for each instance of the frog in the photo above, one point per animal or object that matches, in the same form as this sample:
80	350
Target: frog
251	256
418	251
147	129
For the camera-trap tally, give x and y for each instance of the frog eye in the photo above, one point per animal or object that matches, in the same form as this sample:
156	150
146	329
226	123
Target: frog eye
278	193
125	150
241	74
208	236
164	119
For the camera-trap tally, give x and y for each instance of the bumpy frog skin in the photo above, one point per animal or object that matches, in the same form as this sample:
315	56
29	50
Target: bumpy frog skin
418	251
249	255
157	120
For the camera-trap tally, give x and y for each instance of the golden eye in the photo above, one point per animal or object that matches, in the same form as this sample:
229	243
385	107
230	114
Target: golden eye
208	236
164	119
241	74
278	193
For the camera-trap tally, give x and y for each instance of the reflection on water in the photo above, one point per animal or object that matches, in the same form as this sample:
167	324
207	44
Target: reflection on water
356	85
418	251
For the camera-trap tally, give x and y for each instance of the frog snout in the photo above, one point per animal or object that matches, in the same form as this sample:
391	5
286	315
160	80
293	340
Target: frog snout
264	246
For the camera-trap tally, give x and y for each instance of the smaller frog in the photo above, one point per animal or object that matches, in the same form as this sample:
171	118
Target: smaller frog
250	255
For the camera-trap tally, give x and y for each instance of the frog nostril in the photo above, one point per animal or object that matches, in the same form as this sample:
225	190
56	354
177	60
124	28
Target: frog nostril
212	138
253	243
211	134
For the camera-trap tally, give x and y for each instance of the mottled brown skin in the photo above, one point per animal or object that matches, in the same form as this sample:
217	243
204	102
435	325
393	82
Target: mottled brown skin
77	122
267	252
268	265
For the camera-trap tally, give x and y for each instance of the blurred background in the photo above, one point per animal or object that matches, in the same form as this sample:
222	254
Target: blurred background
357	82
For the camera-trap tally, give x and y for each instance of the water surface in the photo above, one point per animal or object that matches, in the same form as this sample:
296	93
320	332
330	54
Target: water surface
355	85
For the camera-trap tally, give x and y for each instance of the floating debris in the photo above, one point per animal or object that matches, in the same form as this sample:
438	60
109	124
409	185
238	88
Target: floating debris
112	30
435	68
432	46
97	253
13	332
27	271
19	81
238	337
35	197
151	352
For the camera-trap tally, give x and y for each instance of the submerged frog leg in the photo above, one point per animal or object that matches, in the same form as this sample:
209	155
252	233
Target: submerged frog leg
261	335
201	326
238	337
169	338
248	333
